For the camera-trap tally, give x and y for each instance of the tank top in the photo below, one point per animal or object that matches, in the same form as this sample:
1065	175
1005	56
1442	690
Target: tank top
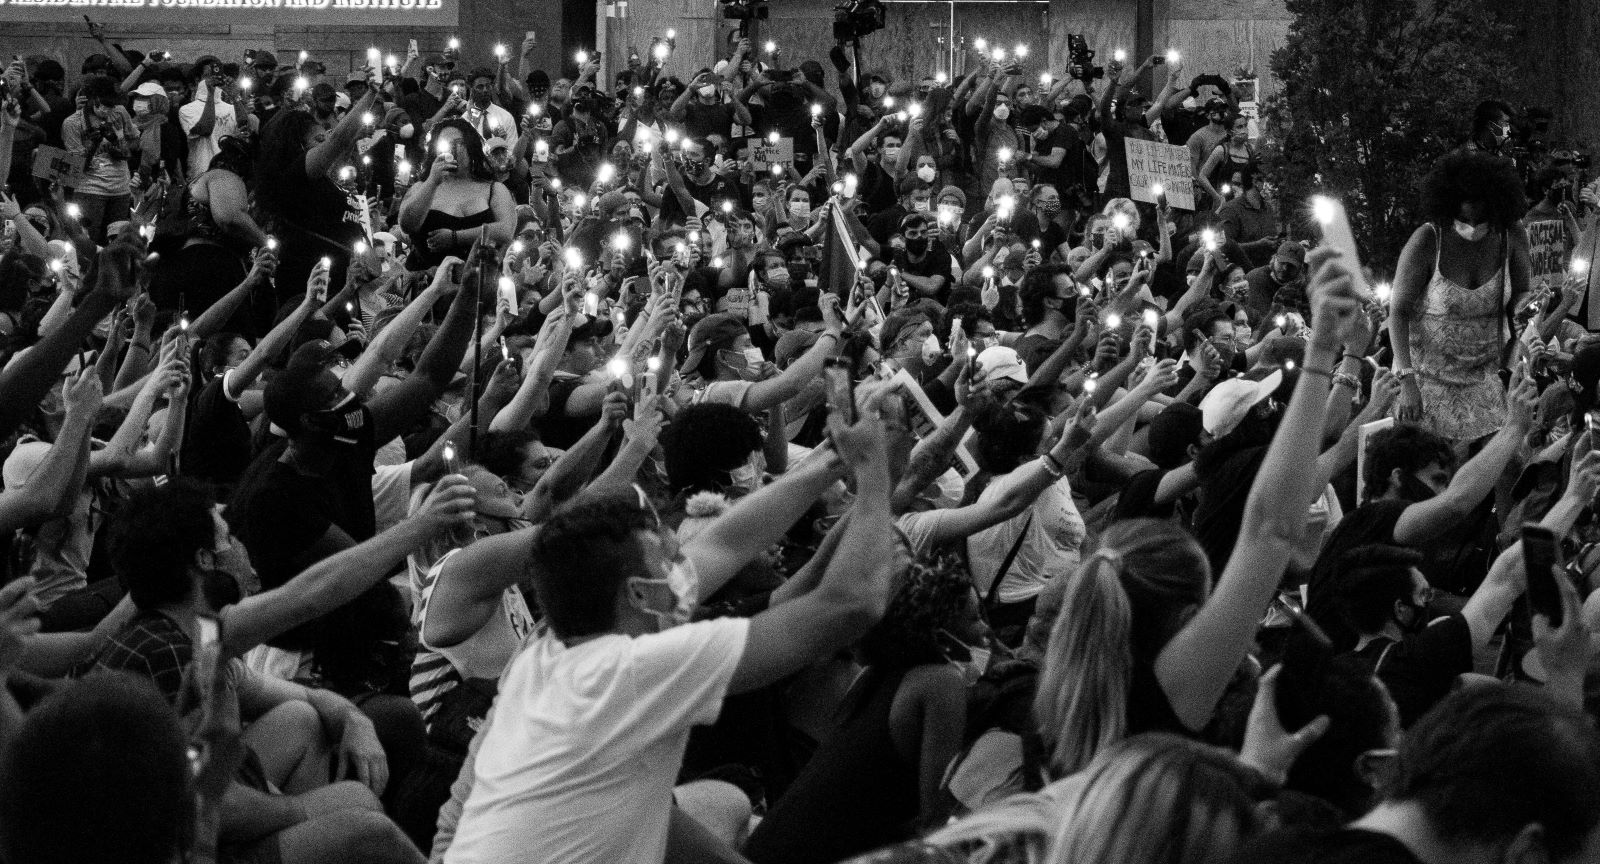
422	258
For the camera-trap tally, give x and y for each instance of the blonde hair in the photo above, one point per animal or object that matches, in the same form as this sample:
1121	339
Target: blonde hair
1121	607
1157	799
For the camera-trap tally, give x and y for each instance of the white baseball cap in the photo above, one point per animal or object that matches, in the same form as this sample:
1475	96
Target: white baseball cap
1231	400
998	361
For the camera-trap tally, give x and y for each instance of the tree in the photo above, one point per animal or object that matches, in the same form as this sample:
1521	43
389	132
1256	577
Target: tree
1374	91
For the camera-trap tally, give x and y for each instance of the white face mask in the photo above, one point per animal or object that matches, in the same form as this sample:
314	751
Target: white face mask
707	92
920	206
407	131
802	209
891	154
926	173
1472	233
684	583
1002	112
748	476
753	357
931	349
141	107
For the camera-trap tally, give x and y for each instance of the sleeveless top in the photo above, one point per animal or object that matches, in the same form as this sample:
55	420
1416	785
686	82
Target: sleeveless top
1458	335
1231	165
422	258
855	795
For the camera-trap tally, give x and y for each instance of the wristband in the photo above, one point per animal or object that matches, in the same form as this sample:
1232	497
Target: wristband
1344	379
1312	370
1052	467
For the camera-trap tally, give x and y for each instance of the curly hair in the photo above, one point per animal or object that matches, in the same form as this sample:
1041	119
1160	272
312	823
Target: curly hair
1406	447
1039	285
930	601
706	441
477	163
1469	177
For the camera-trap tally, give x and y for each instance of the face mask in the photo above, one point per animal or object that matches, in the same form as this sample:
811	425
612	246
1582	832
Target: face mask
931	349
778	278
1048	209
926	173
1002	112
950	214
141	107
917	246
800	209
345	423
707	92
408	130
891	154
684	583
1472	233
758	202
921	206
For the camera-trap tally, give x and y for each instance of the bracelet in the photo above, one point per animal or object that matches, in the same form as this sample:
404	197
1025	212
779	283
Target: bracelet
1345	379
1053	467
1403	374
1312	370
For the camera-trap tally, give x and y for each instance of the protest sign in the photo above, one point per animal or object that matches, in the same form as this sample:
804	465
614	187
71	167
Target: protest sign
767	154
1151	163
53	164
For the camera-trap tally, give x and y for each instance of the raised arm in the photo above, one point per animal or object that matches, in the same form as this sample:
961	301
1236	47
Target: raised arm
855	588
340	578
240	378
49	491
218	314
1194	668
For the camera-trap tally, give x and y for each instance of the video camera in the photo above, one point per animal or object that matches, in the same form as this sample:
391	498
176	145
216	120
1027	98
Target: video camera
1081	58
744	11
855	19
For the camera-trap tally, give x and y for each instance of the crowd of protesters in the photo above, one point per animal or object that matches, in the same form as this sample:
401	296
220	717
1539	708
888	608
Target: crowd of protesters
777	463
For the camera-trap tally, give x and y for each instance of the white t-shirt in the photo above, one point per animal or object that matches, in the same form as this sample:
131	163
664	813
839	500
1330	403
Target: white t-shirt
579	763
1052	546
202	149
391	494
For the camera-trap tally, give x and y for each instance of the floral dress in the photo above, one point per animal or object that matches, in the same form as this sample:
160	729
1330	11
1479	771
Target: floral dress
1458	335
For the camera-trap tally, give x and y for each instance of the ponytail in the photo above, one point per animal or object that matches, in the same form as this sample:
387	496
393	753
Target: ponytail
1081	706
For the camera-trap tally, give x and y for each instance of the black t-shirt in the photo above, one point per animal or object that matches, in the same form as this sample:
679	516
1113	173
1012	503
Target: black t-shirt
1072	172
216	444
280	513
702	121
556	429
935	262
1219	512
1421	668
1035	349
1372	522
877	190
1181	124
1138	498
792	120
313	218
885	223
1345	846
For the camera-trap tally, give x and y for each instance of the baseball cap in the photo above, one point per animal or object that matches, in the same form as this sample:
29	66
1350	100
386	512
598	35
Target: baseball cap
297	390
1216	103
356	76
1228	402
791	345
265	60
716	332
1292	252
149	88
1172	431
496	143
610	201
999	362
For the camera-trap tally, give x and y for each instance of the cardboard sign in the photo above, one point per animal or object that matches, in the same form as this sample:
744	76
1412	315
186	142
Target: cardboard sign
1547	248
923	419
1150	163
53	164
767	154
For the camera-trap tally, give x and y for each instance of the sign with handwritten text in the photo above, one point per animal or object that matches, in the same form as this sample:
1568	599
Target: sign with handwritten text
1151	163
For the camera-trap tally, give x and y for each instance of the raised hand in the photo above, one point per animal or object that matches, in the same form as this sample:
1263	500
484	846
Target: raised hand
1268	747
452	504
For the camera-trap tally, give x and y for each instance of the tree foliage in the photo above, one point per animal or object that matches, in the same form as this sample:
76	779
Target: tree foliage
1374	91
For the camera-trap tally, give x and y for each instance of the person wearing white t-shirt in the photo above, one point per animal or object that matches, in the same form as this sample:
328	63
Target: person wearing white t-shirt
209	118
578	761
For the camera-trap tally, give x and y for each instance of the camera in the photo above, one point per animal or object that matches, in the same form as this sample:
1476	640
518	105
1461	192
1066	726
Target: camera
744	11
854	19
1081	57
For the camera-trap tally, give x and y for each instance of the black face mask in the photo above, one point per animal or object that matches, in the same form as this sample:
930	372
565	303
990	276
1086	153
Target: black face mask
917	246
347	424
1419	618
1414	490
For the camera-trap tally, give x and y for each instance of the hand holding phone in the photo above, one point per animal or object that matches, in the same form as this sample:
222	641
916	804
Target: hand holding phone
841	389
1541	555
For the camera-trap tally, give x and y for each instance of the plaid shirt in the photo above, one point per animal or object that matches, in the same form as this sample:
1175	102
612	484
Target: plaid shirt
152	646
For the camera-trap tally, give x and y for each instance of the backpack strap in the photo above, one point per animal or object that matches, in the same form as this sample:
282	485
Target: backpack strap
1005	565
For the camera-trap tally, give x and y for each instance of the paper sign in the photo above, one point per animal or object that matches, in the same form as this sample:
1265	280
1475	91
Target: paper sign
923	419
1547	249
53	164
1150	163
766	154
1366	431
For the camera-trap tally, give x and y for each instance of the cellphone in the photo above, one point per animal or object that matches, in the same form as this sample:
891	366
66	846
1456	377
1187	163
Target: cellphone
1540	556
210	630
1593	420
841	389
1158	60
452	464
